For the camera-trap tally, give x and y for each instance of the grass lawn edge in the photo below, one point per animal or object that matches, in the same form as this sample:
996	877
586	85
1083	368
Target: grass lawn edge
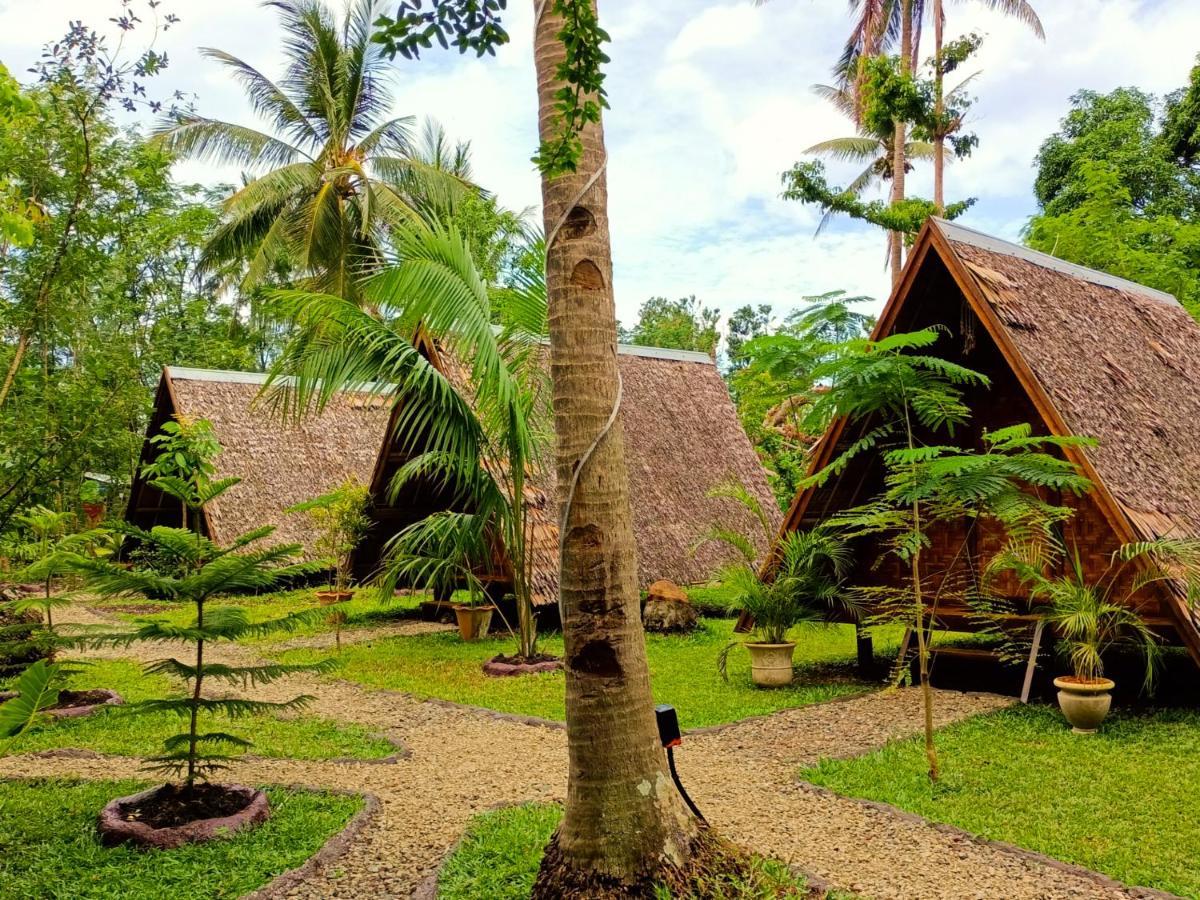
359	808
505	841
331	851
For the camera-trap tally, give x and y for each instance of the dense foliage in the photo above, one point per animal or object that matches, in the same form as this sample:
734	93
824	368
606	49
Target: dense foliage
1118	186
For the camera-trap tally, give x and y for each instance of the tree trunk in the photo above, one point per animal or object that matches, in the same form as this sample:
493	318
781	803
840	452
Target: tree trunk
939	139
899	156
624	822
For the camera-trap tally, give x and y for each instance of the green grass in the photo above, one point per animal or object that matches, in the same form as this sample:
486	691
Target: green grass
362	611
499	857
500	854
682	669
1122	802
120	732
713	599
49	848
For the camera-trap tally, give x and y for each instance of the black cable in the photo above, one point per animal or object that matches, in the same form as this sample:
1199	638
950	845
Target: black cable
679	784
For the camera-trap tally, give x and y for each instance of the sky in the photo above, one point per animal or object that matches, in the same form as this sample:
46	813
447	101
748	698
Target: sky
711	102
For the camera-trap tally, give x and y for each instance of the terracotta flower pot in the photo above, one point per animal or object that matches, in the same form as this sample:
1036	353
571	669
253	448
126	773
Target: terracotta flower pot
771	664
332	598
473	621
1084	702
121	822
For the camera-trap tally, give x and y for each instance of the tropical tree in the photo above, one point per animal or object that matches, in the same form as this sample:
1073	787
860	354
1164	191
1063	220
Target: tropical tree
334	170
475	426
771	388
901	395
616	838
79	78
944	64
1118	190
613	833
683	324
875	150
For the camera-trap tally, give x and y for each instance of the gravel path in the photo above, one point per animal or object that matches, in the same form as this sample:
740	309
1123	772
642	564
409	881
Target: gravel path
462	763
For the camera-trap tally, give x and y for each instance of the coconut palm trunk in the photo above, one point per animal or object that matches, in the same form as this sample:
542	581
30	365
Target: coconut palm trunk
623	821
899	160
939	86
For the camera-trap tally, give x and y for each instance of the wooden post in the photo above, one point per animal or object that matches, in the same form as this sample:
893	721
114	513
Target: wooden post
866	649
1033	654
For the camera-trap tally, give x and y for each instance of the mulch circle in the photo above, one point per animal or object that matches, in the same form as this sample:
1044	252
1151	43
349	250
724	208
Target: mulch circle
164	818
76	704
505	666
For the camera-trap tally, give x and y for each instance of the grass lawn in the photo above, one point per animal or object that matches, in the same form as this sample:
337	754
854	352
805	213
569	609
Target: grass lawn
120	732
49	847
1122	802
362	611
501	851
683	672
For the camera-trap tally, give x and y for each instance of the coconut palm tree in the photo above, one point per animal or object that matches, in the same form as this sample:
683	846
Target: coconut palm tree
1018	9
333	172
874	150
617	831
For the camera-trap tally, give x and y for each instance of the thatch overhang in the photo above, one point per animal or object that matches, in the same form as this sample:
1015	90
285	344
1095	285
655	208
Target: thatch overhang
682	438
1086	353
280	463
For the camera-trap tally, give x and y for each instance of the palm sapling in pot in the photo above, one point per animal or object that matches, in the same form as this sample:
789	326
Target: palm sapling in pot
341	519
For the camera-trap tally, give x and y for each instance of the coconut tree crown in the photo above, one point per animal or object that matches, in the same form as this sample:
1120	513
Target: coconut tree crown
332	173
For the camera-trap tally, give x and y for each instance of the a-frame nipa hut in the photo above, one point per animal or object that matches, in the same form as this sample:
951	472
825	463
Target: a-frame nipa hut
1071	351
682	438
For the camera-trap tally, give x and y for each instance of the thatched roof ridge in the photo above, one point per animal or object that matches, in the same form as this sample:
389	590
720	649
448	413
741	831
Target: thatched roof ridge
280	463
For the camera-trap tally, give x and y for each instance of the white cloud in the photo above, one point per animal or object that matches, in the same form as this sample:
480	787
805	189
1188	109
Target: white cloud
716	28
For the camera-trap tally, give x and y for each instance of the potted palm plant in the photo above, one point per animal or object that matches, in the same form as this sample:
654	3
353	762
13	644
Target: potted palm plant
807	589
341	519
442	552
1089	619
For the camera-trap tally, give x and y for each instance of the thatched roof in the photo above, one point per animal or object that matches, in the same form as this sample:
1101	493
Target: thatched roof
280	464
1096	355
1119	362
682	438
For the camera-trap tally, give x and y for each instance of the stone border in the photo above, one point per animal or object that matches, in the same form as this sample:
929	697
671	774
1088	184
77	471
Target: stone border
494	668
110	698
331	851
1049	862
116	827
